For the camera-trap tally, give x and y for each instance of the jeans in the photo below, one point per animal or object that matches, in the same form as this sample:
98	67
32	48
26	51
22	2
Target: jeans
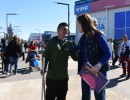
15	63
86	91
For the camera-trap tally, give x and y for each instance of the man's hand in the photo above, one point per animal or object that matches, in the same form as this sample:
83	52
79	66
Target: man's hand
42	72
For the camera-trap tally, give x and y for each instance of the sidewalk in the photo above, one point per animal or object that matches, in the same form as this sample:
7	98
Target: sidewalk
31	90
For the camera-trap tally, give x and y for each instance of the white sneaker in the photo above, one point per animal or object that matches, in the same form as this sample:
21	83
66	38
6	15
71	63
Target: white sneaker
8	73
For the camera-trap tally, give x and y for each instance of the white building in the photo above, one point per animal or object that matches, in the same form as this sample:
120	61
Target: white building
35	37
49	34
113	16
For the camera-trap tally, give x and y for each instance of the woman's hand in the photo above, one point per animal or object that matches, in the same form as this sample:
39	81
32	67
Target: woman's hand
96	68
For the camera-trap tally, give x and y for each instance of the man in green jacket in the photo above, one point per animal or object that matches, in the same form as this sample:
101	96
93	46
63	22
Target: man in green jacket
57	52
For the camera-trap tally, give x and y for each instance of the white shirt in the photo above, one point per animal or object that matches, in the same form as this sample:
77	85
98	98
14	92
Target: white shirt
123	46
111	45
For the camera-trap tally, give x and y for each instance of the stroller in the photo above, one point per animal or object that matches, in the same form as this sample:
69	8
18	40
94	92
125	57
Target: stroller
33	60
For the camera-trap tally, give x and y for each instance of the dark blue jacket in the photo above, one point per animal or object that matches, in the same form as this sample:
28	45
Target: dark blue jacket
94	51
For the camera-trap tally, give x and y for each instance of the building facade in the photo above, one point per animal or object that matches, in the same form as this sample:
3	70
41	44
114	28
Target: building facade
113	16
35	37
49	34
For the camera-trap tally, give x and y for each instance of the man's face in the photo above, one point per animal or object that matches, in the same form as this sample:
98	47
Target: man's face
125	38
95	23
63	31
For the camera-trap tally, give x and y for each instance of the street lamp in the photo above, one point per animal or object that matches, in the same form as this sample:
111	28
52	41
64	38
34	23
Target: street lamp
38	30
68	15
7	19
17	26
7	22
18	33
16	29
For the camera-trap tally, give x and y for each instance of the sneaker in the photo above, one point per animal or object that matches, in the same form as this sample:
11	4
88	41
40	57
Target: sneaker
38	69
113	64
127	77
8	73
15	74
123	75
4	72
30	69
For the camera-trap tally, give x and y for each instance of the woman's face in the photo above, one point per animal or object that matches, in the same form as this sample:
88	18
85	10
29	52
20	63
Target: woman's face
80	27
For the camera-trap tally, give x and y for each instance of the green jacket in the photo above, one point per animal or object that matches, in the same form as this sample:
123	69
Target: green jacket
56	54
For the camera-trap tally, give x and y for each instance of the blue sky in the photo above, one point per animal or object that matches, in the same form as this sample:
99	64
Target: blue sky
35	14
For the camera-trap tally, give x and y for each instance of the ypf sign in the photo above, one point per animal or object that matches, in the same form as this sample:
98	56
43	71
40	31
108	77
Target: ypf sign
82	9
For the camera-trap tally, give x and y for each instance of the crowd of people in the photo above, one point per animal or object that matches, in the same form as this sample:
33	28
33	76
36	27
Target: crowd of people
16	48
121	52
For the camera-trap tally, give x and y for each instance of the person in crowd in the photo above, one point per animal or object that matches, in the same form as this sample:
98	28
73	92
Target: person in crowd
31	49
22	50
95	22
56	53
93	48
111	45
3	56
124	57
25	46
39	45
13	52
117	47
32	46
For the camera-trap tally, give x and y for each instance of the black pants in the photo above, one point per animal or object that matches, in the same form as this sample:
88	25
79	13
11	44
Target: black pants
115	60
23	56
56	89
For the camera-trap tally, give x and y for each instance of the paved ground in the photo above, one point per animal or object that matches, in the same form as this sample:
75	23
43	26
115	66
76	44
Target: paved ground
27	86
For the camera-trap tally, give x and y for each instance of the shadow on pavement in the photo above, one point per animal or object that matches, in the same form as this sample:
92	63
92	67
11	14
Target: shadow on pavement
2	76
115	81
23	71
114	67
26	70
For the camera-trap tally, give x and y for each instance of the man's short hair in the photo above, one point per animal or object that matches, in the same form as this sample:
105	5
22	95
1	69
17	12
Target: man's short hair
125	35
62	24
94	19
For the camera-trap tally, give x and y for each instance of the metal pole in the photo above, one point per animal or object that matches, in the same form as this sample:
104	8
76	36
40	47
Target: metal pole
125	23
43	80
7	22
68	22
106	24
68	16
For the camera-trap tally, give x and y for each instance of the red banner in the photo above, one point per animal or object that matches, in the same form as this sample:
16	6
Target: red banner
109	4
